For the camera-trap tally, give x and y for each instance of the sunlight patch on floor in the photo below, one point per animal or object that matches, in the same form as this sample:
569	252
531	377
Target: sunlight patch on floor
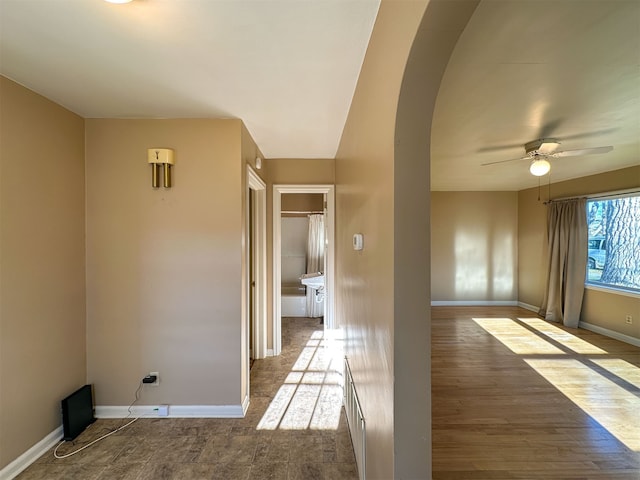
277	408
311	396
622	369
612	406
304	358
583	380
517	338
565	338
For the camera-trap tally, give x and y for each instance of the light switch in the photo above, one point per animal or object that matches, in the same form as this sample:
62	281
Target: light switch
358	241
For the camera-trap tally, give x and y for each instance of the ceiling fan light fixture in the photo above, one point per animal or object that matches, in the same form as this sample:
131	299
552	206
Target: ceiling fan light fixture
539	167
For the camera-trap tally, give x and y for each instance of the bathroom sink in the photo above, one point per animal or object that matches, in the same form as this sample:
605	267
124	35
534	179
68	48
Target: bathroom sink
313	280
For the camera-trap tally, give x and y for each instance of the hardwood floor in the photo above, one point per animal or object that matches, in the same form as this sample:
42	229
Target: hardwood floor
515	397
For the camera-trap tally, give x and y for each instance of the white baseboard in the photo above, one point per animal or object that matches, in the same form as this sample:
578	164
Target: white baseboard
108	411
175	411
526	306
269	352
474	303
27	458
610	333
206	411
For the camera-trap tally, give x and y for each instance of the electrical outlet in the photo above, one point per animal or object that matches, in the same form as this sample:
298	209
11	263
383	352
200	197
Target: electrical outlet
629	319
157	382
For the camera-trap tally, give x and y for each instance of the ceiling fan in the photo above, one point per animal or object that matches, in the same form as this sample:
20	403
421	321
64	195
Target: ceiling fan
542	150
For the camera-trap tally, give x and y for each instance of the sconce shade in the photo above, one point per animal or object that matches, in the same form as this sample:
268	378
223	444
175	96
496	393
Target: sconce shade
539	167
160	155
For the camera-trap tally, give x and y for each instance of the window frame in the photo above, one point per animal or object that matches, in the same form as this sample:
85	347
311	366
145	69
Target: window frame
607	287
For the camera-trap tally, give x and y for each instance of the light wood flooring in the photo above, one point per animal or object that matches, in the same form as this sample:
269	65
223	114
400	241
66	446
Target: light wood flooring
515	397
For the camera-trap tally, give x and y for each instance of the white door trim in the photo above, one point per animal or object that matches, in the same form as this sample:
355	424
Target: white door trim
329	316
255	183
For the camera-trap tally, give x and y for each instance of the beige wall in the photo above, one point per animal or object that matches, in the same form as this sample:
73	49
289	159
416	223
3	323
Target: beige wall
42	253
364	201
164	266
301	202
293	171
440	28
474	239
606	310
382	186
289	171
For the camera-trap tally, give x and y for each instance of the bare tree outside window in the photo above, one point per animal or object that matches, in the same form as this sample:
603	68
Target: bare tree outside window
614	242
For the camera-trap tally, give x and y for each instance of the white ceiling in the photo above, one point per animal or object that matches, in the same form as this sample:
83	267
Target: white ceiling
523	69
287	68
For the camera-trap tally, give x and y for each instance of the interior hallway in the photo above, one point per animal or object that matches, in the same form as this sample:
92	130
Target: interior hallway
515	397
295	428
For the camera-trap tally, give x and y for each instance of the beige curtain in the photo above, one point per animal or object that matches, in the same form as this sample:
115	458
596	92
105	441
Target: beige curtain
566	262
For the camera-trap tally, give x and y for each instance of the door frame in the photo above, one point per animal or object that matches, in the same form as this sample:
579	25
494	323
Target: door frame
329	313
259	228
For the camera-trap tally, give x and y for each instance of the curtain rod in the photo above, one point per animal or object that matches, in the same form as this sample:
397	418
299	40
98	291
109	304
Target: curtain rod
616	193
301	212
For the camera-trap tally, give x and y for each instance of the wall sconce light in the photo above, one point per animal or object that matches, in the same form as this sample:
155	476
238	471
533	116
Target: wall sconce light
157	157
258	163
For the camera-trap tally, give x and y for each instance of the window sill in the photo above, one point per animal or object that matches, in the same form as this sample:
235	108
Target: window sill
614	290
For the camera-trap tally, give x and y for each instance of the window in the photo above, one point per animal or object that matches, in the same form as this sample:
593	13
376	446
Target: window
614	242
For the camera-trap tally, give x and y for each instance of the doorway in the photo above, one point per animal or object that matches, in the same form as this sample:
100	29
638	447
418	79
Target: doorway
329	313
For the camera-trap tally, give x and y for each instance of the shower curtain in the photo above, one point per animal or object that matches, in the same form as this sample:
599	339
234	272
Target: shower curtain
315	262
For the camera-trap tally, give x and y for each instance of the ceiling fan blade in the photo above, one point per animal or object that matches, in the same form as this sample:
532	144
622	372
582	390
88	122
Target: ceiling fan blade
588	134
503	161
497	148
545	131
549	128
584	151
547	146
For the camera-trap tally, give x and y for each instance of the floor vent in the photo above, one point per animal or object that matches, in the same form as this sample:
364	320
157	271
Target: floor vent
355	419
